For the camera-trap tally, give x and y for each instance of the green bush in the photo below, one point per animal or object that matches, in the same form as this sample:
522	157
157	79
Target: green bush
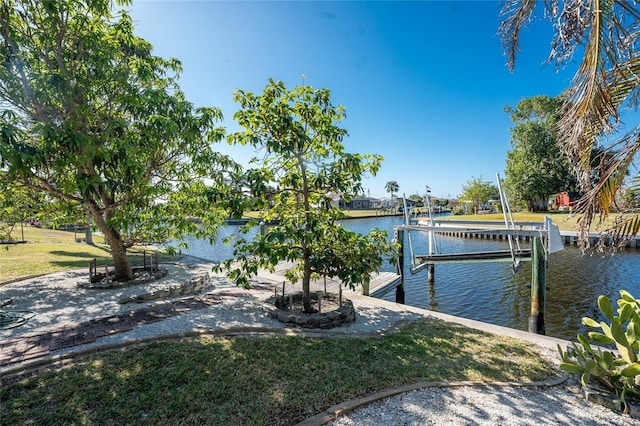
619	371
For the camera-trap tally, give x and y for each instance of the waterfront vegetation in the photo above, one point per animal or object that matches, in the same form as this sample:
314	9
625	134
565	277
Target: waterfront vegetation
617	372
258	380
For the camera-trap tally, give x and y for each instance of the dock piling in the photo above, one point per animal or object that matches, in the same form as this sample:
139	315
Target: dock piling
538	287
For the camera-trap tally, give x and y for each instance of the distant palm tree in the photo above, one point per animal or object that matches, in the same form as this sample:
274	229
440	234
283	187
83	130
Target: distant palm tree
392	186
607	81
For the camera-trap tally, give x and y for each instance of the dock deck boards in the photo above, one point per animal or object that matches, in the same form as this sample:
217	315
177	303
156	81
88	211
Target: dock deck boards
380	284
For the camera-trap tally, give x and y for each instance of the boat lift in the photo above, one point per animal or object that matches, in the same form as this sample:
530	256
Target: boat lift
545	238
512	230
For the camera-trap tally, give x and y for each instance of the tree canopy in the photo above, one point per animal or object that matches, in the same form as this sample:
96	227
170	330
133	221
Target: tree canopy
16	206
92	118
478	191
536	168
392	187
603	35
303	155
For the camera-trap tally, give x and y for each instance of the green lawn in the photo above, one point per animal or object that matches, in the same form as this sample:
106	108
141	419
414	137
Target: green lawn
564	221
49	250
258	380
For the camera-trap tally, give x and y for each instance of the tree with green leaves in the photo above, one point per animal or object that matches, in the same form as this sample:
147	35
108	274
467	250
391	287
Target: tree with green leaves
17	205
419	199
93	119
604	34
478	192
536	168
303	154
392	187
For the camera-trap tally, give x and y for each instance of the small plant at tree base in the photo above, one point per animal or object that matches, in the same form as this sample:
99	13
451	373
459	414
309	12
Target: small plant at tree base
303	156
616	372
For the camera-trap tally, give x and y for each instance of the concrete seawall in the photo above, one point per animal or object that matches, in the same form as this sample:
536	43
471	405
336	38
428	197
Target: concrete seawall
568	237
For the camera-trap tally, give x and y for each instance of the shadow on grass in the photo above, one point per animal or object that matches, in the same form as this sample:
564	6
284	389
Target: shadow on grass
72	260
249	380
106	255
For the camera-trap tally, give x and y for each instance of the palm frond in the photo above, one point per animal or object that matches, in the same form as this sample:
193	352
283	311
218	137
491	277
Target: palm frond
516	14
613	168
572	25
624	81
589	112
608	77
629	227
624	229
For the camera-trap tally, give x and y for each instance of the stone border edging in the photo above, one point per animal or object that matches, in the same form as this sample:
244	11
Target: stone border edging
341	316
28	277
195	285
336	411
115	285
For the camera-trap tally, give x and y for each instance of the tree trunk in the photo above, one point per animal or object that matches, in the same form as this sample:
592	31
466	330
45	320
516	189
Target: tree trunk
123	271
88	235
306	287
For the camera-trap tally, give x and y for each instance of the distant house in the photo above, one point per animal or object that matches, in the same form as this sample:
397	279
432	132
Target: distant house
566	200
387	203
336	200
362	203
453	204
411	204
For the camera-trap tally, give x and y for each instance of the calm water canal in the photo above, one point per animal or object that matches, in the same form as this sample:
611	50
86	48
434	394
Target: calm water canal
491	292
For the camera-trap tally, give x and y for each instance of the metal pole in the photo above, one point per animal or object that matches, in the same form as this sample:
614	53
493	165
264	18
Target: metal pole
432	250
431	239
399	238
538	287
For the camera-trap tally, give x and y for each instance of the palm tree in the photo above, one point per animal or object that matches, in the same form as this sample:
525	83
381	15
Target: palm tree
392	186
607	81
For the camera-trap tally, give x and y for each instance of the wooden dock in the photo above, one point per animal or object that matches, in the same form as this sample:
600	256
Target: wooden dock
381	283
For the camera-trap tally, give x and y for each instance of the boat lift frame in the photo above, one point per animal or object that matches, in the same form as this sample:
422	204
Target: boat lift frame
512	230
545	238
547	230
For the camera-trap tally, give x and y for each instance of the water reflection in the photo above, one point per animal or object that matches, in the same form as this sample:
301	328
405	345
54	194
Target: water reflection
491	292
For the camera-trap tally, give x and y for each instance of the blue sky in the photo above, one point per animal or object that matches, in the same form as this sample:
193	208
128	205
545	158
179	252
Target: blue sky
424	83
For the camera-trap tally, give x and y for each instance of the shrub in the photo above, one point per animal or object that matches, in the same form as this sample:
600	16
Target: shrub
619	371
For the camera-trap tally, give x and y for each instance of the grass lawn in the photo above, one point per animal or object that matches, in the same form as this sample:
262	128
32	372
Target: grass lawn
564	221
258	380
49	250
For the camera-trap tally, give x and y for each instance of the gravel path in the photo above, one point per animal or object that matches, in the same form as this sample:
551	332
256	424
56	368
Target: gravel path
485	405
56	299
